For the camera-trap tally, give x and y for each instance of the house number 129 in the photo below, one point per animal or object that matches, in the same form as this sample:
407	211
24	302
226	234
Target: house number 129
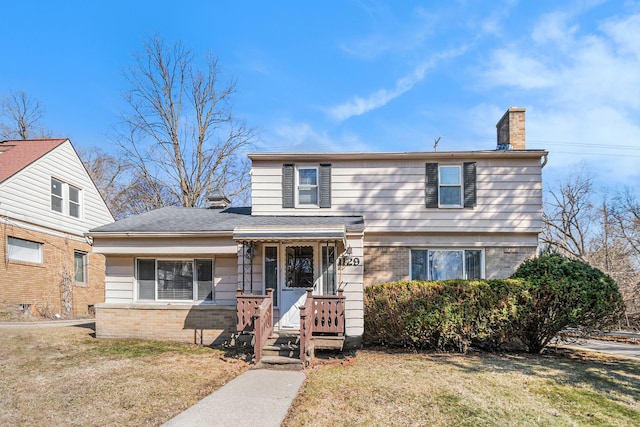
348	261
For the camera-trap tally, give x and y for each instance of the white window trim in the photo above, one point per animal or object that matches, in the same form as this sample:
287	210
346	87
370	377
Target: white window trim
483	273
194	282
69	201
460	185
298	187
66	199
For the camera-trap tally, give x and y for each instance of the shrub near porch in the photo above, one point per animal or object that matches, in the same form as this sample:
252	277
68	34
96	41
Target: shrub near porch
445	315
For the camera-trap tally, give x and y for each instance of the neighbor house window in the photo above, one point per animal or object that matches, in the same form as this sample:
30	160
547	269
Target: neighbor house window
56	195
24	250
80	266
66	198
307	186
446	264
74	202
175	280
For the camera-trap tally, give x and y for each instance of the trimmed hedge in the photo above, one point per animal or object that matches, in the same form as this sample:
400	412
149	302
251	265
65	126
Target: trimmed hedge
545	296
566	293
445	315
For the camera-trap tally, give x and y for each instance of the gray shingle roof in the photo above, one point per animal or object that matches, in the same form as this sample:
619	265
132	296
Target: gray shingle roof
192	220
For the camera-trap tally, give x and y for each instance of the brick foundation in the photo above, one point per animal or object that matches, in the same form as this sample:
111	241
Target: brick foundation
198	324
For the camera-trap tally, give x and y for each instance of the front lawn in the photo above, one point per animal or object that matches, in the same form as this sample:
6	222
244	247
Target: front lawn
52	376
414	389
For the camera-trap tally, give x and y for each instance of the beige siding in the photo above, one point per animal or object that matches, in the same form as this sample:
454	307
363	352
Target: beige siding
165	246
119	280
26	196
226	280
390	196
352	279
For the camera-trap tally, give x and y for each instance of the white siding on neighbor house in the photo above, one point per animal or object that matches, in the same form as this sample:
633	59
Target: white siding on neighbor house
26	196
390	194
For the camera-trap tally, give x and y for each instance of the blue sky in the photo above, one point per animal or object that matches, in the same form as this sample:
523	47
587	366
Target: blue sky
357	75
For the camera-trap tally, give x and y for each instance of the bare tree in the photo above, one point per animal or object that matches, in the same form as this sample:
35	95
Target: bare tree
604	233
108	174
569	215
22	114
180	137
626	218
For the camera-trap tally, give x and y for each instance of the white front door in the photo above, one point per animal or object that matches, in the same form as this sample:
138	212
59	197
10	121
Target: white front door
300	273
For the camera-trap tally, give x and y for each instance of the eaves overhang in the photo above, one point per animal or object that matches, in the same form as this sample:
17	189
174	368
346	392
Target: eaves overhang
158	234
484	154
288	233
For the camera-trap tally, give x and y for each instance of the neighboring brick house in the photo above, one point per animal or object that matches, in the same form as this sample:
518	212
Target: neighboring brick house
47	204
325	221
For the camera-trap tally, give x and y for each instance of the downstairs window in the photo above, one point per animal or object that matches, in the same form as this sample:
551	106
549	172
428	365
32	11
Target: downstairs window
446	264
175	280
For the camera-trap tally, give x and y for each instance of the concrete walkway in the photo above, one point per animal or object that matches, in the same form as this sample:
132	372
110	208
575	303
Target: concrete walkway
631	351
258	397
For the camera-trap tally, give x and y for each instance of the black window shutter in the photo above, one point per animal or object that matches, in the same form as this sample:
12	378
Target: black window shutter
469	176
325	185
288	200
431	185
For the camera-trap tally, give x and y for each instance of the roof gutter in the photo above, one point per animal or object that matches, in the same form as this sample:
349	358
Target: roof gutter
485	154
116	234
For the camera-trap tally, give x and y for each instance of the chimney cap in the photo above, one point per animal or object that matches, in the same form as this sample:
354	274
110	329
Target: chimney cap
217	200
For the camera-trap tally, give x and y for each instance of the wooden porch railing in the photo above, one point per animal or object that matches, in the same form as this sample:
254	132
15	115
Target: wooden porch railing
255	313
320	314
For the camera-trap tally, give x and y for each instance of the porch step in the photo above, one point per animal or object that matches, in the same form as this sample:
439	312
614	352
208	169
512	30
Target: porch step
282	344
279	363
321	342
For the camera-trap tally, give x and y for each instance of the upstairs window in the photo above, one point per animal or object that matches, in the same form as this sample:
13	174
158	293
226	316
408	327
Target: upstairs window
306	186
450	191
56	195
74	202
66	198
450	186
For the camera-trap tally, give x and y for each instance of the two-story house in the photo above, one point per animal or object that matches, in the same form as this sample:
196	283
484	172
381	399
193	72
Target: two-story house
328	223
47	204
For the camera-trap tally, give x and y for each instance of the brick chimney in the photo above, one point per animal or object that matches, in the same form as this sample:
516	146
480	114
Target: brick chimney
511	130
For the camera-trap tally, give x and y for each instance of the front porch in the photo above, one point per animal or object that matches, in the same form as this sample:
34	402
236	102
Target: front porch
322	326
